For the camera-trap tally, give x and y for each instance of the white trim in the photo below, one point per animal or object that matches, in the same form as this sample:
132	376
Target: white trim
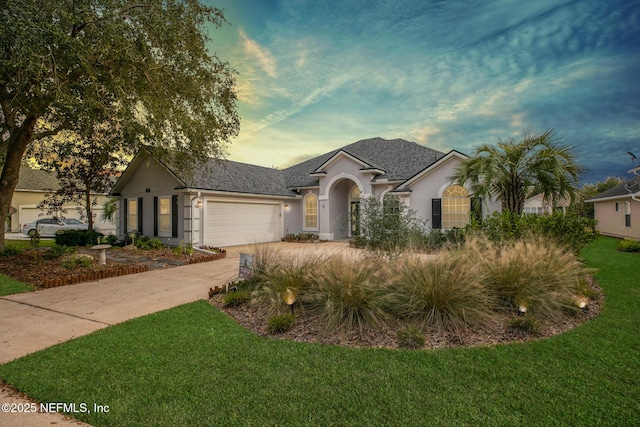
304	212
343	175
433	166
214	193
336	157
607	199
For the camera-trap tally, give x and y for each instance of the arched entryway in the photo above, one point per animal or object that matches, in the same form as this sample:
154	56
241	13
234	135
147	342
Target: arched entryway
344	208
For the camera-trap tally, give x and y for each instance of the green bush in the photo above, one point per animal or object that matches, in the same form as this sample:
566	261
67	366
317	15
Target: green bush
77	237
569	230
10	250
527	324
235	299
388	225
57	251
279	324
410	337
77	261
445	293
629	245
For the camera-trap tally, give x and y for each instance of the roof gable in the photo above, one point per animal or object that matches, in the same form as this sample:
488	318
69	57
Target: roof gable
620	191
429	168
36	180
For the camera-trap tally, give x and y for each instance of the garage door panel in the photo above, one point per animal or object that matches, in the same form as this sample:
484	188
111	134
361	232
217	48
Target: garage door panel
229	224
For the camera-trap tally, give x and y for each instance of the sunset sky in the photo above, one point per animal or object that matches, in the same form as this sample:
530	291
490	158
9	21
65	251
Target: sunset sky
317	75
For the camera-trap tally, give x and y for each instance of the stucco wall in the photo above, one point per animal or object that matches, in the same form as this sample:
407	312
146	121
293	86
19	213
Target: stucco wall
612	223
148	181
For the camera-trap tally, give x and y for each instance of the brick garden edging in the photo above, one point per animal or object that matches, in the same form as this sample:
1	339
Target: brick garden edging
72	279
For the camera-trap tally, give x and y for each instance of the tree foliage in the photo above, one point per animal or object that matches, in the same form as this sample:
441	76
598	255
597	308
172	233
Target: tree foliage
512	170
144	68
588	191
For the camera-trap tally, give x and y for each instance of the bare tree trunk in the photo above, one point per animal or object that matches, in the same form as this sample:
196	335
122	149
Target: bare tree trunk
87	205
17	145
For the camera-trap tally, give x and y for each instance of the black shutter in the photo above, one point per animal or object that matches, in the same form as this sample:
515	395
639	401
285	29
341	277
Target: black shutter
155	216
476	208
436	213
126	216
174	216
140	215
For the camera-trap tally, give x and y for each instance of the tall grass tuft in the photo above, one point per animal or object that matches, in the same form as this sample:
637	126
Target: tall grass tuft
282	280
348	294
533	272
445	293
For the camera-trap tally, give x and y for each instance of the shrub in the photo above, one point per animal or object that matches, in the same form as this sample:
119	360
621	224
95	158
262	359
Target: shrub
629	245
279	324
10	250
77	237
527	324
77	261
410	337
235	299
112	240
568	230
57	251
535	273
348	295
388	225
445	293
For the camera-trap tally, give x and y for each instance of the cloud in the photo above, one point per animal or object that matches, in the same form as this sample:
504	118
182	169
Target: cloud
263	55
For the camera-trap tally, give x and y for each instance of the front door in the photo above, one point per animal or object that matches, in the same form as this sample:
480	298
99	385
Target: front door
354	218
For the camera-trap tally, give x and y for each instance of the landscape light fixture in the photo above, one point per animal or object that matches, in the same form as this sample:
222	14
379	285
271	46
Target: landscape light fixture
522	310
290	299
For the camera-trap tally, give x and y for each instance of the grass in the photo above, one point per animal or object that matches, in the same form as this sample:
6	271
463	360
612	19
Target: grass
8	286
194	366
26	244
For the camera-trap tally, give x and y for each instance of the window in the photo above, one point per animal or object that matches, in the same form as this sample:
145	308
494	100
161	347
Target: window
617	207
311	212
391	205
627	214
456	205
132	215
164	216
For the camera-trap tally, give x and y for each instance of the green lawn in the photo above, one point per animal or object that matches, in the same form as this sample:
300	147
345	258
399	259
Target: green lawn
193	366
8	286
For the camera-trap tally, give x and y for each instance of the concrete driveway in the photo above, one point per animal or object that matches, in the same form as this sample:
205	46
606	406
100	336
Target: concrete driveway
33	321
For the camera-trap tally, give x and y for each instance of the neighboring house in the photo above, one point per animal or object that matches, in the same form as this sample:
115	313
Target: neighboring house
227	203
617	213
535	204
32	187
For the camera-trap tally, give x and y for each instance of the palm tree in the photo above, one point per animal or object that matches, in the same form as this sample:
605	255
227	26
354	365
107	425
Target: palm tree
514	169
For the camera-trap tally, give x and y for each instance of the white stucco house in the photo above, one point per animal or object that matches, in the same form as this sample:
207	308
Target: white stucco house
229	203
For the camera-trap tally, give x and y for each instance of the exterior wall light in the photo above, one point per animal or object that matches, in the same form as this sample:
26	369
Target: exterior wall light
199	204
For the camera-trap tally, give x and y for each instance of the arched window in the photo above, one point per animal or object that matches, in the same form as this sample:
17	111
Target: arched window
455	207
311	212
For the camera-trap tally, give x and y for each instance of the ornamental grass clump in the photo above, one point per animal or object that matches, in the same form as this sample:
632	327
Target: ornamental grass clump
348	294
282	282
533	275
444	293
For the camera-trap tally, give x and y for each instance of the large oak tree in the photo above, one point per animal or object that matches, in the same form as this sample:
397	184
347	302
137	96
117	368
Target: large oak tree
144	68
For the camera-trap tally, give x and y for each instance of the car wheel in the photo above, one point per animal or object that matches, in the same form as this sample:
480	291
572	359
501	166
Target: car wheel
32	233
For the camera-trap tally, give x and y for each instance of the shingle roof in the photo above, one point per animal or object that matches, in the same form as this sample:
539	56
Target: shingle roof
36	180
400	159
625	189
226	175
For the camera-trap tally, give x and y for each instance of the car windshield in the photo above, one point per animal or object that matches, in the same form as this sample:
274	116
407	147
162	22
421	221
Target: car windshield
72	221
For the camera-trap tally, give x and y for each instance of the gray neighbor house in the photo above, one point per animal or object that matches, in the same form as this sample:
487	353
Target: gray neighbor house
228	203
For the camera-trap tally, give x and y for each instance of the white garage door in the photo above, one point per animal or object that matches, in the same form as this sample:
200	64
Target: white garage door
230	224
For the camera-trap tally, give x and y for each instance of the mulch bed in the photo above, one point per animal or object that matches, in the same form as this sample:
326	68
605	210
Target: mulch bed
32	268
307	328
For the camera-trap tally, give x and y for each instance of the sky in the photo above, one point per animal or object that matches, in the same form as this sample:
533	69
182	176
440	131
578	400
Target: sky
316	75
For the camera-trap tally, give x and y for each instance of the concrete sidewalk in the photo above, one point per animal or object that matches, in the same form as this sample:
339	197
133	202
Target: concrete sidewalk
33	321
